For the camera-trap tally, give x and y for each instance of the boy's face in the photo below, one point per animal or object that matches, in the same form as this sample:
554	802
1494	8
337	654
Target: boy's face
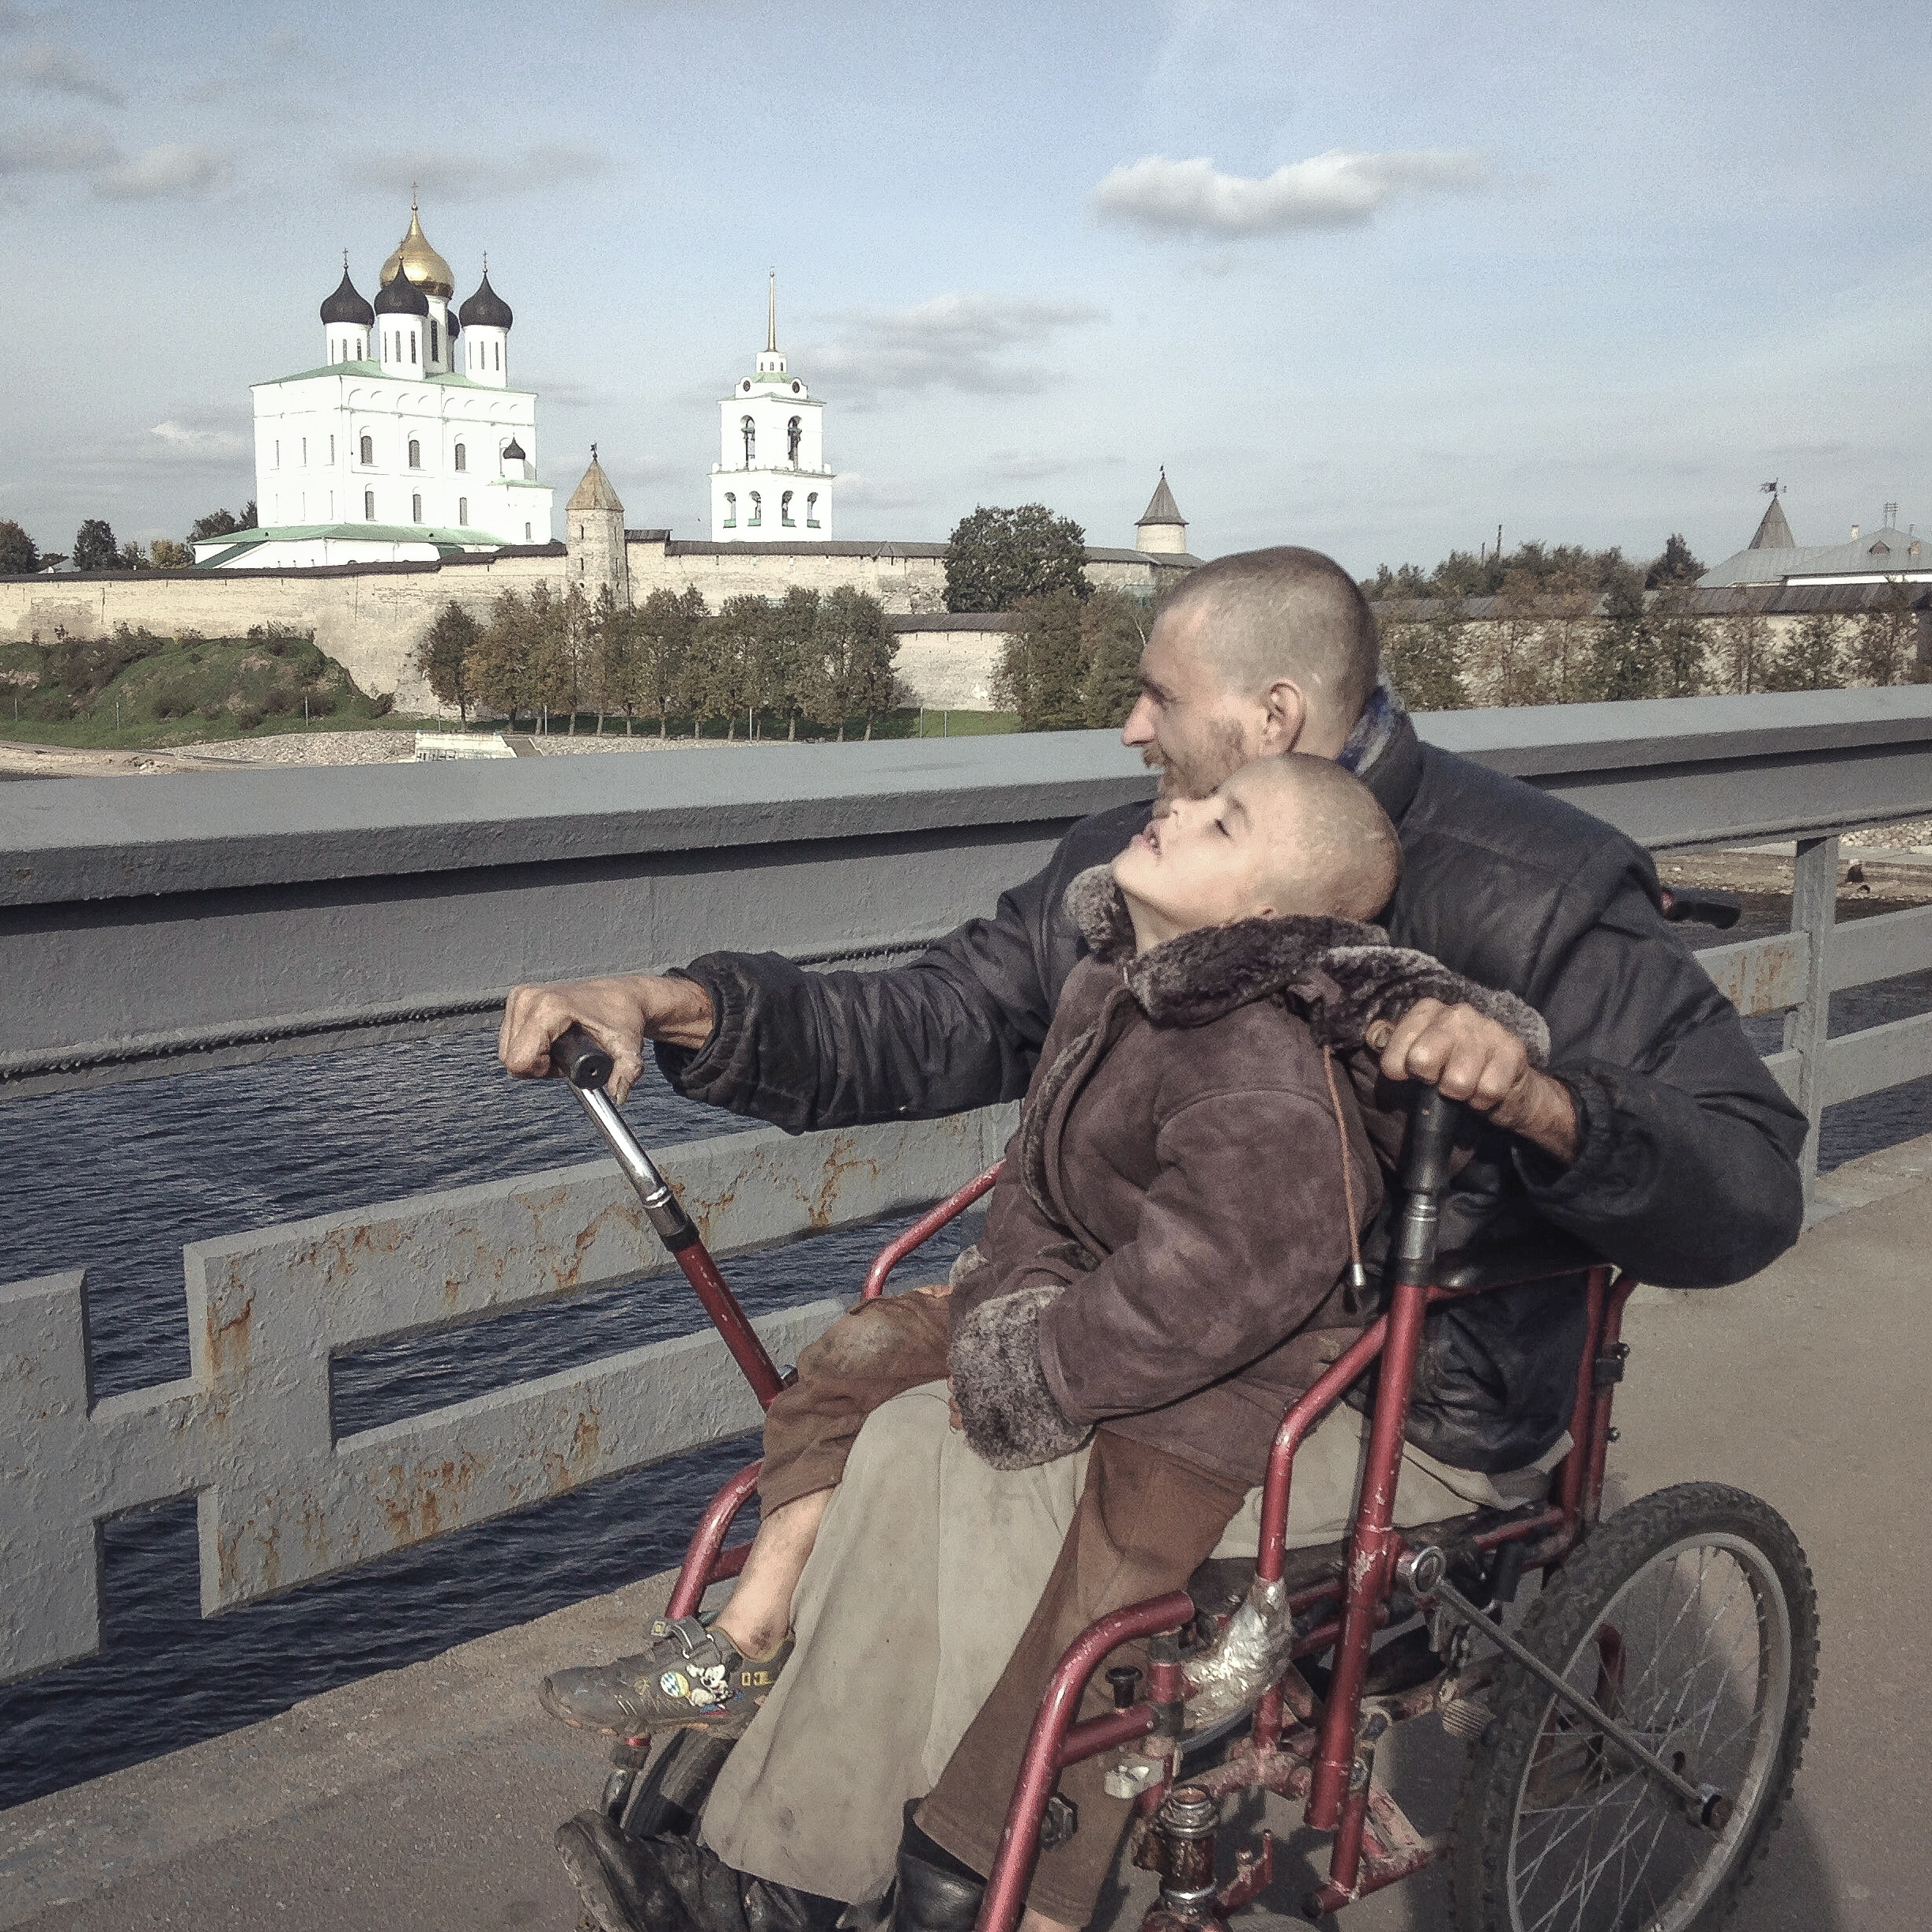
1207	862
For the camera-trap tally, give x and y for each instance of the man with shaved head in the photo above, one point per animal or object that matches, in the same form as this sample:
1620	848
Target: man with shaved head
1652	1133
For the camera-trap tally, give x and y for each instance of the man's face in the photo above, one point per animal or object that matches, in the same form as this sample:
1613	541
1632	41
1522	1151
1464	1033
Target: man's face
1187	727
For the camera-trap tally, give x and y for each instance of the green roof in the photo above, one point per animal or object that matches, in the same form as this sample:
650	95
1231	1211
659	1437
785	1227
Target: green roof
449	381
444	539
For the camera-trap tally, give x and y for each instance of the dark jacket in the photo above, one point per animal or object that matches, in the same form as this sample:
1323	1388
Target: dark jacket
1166	1244
1686	1173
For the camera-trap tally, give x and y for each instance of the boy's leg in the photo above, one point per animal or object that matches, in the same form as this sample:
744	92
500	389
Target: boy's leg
1145	1520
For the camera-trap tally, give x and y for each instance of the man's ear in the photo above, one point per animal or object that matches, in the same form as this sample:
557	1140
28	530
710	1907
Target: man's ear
1284	709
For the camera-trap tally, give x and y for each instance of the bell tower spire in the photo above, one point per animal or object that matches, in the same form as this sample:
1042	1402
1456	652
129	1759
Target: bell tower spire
771	314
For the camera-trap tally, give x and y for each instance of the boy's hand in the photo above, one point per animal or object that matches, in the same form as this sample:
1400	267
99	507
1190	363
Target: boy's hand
619	1014
1473	1059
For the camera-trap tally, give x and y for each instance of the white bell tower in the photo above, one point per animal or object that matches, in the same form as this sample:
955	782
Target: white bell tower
771	485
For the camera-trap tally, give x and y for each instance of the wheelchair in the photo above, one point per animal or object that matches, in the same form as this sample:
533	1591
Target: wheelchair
1630	1740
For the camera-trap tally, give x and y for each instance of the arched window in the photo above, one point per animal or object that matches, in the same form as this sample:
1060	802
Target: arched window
278	453
416	453
758	510
462	457
305	453
794	433
499	363
811	511
368	448
368	505
785	510
416	510
462	512
434	351
748	430
332	452
526	532
413	345
731	509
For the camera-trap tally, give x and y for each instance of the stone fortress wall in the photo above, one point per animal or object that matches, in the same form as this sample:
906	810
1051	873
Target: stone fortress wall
370	617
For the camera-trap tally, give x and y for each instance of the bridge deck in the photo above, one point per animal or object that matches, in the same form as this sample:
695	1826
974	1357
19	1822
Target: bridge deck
424	1799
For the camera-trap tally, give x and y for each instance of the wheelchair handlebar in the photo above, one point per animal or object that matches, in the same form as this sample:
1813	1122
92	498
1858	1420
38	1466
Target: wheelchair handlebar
579	1058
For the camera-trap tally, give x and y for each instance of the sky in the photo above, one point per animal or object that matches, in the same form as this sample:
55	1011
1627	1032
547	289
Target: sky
1376	279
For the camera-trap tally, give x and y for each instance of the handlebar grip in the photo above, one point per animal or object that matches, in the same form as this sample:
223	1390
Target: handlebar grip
1433	1119
579	1058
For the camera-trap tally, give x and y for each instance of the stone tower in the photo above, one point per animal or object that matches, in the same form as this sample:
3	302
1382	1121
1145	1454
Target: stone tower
593	536
1163	529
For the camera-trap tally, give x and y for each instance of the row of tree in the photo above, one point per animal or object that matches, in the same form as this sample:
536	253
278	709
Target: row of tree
826	660
1576	649
1555	570
1073	663
96	548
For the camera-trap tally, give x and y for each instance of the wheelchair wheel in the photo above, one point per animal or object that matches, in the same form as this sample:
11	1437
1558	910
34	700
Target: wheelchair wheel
667	1798
1691	1618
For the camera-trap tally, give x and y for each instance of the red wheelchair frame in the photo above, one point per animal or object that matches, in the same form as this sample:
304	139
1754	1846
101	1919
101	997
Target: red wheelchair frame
1319	1750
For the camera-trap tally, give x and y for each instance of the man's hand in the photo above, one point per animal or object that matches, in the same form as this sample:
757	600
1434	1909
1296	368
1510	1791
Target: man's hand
1473	1059
619	1014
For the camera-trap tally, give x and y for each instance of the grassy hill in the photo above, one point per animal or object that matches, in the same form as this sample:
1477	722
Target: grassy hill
137	692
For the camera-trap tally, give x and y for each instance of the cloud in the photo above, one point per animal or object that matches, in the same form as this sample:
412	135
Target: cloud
476	177
1341	189
56	70
72	150
174	168
184	444
964	342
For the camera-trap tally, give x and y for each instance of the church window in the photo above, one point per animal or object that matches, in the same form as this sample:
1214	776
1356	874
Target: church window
416	510
413	345
526	532
368	505
462	512
785	510
758	510
416	453
731	509
499	363
462	457
332	451
794	434
368	448
434	351
305	453
278	453
748	429
811	511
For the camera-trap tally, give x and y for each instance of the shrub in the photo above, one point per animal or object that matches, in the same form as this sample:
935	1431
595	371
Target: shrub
246	717
279	701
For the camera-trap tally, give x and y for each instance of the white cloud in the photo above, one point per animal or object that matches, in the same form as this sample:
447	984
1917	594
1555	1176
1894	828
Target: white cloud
72	150
56	70
1341	189
964	342
476	177
184	442
174	168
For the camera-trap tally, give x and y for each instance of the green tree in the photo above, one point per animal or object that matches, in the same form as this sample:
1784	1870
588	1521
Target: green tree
1623	658
849	671
1113	632
791	625
1884	638
20	556
165	554
1041	667
1809	656
132	557
445	659
1743	638
1408	581
1679	632
733	650
1676	566
505	657
565	645
658	655
1424	660
997	556
94	547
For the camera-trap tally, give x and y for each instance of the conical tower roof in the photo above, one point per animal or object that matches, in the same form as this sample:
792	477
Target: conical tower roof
1773	531
346	305
1162	508
595	492
419	261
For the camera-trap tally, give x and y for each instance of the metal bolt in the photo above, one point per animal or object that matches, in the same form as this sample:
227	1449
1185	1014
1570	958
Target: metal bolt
1125	1679
1613	1434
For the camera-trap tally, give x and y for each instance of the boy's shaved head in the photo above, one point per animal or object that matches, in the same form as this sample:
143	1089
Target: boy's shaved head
1330	846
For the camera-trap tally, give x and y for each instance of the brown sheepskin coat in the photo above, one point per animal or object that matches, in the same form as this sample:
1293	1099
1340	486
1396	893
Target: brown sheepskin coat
1166	1248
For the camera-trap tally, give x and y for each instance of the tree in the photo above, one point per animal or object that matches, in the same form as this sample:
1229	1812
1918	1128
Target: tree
849	671
1743	633
1040	669
564	638
20	556
1424	661
165	554
791	625
1113	633
1679	632
657	653
1515	637
1623	660
131	557
1808	657
733	655
501	677
1408	581
1676	566
446	658
1884	638
997	556
94	547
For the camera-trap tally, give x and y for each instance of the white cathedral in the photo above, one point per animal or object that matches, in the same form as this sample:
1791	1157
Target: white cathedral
408	443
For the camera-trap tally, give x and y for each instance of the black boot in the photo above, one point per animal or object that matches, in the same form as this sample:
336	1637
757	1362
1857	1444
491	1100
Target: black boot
934	1891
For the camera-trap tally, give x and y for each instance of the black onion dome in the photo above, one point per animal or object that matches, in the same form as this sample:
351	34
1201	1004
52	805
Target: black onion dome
512	452
401	296
486	309
346	305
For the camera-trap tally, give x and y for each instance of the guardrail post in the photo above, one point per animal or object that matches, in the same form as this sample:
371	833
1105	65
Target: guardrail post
1814	911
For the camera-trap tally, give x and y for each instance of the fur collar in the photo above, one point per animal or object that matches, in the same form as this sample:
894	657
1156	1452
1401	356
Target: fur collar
1344	975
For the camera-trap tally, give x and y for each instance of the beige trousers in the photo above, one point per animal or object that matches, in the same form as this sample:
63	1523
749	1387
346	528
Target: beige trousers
926	1571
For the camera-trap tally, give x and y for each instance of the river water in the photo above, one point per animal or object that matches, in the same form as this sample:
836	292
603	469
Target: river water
118	1179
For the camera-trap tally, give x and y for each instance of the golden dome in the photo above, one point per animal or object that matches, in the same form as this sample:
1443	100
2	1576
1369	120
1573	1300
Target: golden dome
420	262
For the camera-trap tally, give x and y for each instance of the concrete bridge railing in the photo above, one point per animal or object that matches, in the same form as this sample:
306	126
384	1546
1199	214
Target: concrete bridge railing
146	927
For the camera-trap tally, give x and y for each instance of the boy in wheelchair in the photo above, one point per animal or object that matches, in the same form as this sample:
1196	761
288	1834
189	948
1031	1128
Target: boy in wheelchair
1172	1255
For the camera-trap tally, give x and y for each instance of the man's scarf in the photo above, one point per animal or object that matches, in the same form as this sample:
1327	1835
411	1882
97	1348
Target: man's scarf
1373	729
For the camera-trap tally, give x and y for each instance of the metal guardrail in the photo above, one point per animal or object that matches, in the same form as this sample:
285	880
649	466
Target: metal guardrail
282	1498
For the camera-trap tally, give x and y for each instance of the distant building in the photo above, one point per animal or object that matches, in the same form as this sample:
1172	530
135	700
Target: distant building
1774	556
1162	531
770	484
408	443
